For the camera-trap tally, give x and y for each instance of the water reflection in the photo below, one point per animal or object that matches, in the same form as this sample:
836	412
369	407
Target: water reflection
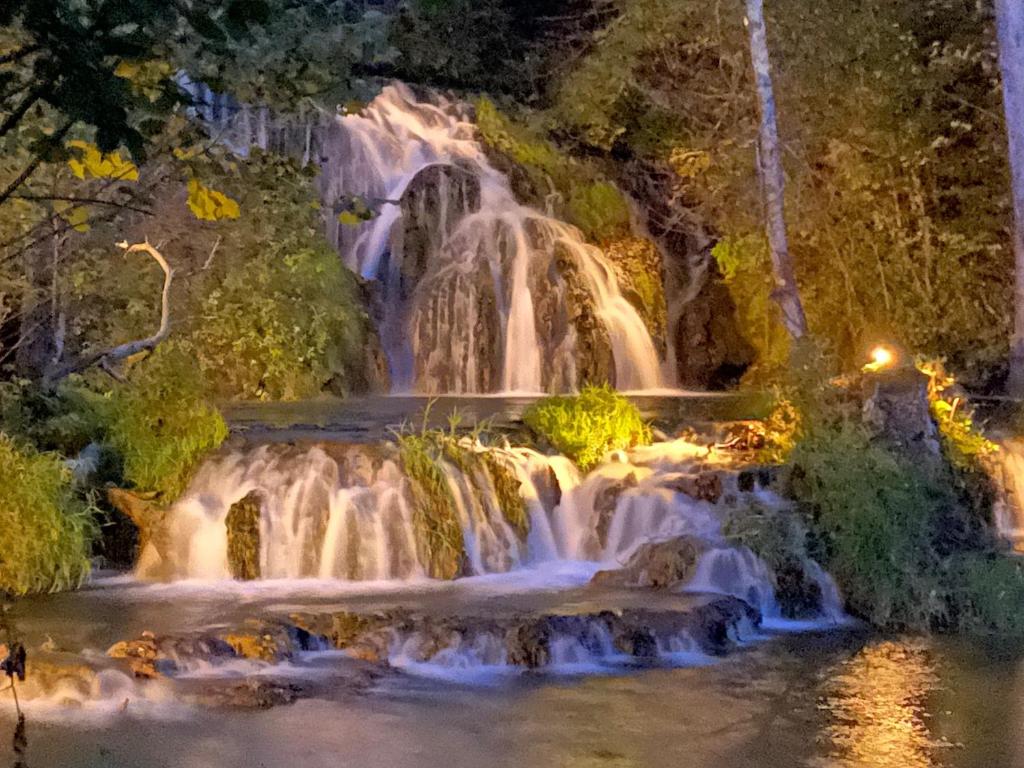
876	708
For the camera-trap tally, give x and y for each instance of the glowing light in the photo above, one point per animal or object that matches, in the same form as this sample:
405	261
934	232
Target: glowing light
881	357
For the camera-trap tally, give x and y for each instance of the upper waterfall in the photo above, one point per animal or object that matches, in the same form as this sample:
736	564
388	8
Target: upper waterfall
479	293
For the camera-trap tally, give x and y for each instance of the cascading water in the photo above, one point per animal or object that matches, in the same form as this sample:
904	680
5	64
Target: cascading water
475	286
477	293
337	511
1009	508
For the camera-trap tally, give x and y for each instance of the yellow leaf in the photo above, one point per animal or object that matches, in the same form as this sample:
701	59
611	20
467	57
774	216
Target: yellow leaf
209	204
349	219
75	215
90	162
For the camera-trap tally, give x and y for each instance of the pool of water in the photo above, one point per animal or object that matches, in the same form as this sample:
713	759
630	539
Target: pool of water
841	697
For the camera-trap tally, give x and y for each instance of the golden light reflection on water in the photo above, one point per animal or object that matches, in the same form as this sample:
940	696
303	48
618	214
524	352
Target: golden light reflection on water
875	706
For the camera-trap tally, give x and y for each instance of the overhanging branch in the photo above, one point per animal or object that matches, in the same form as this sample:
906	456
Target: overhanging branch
106	357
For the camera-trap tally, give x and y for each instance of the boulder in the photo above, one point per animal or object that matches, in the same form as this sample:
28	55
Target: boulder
243	532
660	565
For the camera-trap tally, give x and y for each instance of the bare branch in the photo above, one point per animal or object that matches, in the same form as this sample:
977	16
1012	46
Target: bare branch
123	351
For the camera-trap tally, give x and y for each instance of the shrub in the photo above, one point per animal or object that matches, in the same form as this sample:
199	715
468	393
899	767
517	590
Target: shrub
876	516
986	592
162	425
585	427
47	527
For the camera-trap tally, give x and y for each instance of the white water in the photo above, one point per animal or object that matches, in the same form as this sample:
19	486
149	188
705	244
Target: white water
337	512
491	275
1009	508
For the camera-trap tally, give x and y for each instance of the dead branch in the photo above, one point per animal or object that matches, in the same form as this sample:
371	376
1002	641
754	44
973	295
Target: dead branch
106	357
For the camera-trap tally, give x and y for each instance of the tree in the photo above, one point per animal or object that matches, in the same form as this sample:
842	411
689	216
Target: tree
1010	29
773	179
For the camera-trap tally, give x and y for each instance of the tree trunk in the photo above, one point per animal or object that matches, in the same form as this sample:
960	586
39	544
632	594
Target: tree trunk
1010	26
773	179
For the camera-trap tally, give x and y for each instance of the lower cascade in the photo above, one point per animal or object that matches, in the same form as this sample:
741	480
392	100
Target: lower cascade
348	512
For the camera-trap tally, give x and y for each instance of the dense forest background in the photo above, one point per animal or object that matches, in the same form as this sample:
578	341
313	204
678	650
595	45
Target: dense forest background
890	115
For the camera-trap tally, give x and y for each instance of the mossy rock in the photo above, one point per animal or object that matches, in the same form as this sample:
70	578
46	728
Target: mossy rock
507	488
638	264
439	541
595	362
243	528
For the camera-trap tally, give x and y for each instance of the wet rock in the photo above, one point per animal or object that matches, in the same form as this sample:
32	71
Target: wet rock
709	349
719	623
59	678
660	565
605	503
797	593
149	517
141	655
707	486
433	204
595	362
637	263
243	533
255	693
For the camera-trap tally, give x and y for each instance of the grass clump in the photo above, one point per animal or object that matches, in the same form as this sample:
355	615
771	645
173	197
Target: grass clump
439	533
48	527
986	594
161	424
587	426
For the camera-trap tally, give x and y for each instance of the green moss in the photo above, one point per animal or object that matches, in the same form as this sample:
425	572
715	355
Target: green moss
161	424
243	529
599	209
587	426
507	488
48	528
583	197
439	533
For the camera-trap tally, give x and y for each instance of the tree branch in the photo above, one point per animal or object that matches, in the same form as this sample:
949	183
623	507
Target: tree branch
34	164
84	201
123	351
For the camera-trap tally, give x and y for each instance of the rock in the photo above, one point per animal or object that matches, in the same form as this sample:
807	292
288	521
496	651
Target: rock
141	655
797	593
595	362
257	693
243	533
637	263
896	409
433	204
709	349
718	624
707	486
149	518
660	565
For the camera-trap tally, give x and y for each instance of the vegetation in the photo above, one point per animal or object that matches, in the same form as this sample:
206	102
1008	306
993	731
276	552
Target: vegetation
585	427
438	529
581	196
161	424
48	527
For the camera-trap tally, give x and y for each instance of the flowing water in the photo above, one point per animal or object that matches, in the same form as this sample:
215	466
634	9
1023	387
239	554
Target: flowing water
839	699
476	293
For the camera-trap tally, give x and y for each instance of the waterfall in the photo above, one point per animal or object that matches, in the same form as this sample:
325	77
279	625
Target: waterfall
1009	507
477	293
346	512
475	286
